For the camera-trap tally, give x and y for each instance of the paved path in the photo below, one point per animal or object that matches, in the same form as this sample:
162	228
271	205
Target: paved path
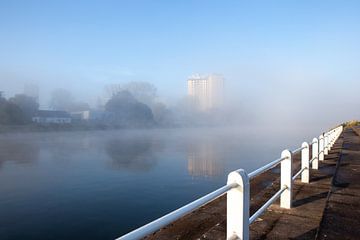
342	214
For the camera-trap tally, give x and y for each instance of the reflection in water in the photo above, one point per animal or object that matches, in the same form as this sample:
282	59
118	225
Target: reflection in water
204	159
64	149
134	154
72	191
18	151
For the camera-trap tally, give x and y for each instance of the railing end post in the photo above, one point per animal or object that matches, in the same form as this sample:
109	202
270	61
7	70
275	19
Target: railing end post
238	206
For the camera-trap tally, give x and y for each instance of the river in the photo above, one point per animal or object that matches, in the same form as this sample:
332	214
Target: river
102	184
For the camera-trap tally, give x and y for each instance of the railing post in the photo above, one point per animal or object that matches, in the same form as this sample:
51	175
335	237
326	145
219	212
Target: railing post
315	154
305	175
331	139
286	179
238	206
326	144
321	147
337	135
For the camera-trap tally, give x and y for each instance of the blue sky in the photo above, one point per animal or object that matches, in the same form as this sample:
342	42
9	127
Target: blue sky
263	48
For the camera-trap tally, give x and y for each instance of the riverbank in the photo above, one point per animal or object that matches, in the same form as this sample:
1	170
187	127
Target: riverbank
29	128
325	208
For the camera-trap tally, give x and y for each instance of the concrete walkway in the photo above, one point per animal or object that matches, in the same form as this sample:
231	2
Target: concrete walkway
341	219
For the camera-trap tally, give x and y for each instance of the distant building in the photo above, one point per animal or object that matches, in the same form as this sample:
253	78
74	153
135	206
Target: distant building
88	115
32	90
207	91
49	116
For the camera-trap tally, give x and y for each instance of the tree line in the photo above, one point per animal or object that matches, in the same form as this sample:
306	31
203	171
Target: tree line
125	105
130	104
17	110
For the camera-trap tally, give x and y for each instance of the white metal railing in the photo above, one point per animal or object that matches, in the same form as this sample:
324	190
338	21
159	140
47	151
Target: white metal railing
238	190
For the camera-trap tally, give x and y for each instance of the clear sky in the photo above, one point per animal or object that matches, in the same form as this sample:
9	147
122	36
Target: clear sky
270	52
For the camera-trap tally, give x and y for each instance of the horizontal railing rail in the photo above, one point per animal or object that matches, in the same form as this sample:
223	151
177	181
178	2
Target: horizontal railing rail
298	150
298	173
238	189
170	217
267	204
265	168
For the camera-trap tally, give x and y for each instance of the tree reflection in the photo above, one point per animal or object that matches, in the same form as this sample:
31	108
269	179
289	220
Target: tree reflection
18	151
134	154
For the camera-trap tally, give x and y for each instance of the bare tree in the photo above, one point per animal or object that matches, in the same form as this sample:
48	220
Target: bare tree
128	111
143	91
113	89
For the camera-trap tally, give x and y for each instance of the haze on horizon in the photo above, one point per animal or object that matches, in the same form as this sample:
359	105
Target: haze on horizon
285	63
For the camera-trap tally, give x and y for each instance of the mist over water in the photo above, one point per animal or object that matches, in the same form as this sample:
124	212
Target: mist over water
102	184
99	133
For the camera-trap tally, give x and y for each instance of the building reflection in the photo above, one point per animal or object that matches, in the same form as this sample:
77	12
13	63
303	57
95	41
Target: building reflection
204	160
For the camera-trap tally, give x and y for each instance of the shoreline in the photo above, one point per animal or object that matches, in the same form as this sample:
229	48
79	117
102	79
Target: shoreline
213	214
32	128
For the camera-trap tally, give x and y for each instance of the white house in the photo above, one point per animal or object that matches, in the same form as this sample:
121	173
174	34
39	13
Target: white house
48	116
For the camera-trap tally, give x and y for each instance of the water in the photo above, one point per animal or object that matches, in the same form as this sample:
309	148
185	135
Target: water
102	184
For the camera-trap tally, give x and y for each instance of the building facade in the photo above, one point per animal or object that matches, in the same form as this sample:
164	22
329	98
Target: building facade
207	91
49	116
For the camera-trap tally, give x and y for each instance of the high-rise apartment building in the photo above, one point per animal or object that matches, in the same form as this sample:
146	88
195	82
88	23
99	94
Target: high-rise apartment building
207	91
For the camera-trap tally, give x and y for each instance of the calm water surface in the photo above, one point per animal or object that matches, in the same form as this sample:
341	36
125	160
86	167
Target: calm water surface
102	184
